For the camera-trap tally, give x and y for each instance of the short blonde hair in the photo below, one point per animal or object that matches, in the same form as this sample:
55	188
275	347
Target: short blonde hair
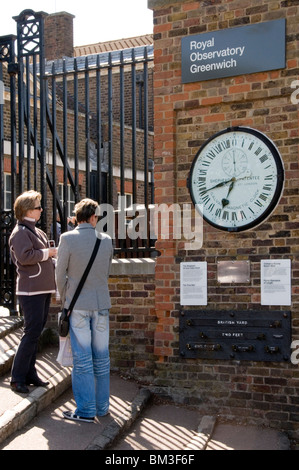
26	202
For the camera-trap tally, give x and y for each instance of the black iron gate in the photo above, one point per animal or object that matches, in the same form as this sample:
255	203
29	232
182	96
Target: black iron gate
72	128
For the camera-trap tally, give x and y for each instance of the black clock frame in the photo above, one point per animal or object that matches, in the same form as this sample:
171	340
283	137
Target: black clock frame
279	181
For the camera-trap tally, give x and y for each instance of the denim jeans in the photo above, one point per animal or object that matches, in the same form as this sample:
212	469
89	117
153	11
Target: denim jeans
89	331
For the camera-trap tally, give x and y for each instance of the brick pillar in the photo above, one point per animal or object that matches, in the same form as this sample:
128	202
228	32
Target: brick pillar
165	184
59	36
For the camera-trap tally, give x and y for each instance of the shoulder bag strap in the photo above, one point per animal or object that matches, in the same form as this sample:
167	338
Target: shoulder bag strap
79	288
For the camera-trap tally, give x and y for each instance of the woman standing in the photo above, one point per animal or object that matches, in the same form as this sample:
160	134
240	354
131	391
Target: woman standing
30	251
89	321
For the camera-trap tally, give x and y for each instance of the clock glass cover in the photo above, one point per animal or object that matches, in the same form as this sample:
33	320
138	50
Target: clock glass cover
236	179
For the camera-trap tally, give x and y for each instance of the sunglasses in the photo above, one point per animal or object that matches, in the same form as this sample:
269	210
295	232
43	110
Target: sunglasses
38	208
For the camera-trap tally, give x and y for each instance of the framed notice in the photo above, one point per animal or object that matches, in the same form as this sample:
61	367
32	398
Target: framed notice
276	286
193	284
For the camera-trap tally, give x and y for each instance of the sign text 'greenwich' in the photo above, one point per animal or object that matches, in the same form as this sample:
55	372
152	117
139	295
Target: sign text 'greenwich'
236	51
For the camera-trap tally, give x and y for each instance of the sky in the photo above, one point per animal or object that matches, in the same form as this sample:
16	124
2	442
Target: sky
96	20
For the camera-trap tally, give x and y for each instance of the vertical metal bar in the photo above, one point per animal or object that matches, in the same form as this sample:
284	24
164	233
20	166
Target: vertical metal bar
134	125
35	126
13	132
87	128
76	131
110	129
146	185
122	126
152	183
43	122
134	140
54	169
145	129
21	123
65	150
99	132
28	112
122	206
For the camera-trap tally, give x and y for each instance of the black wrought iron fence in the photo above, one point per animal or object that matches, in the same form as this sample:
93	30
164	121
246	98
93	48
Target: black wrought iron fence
73	128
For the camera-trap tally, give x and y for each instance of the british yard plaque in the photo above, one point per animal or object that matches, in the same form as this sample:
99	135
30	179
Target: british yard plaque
241	335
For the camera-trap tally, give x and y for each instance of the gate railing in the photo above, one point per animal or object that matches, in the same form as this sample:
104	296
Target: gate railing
73	128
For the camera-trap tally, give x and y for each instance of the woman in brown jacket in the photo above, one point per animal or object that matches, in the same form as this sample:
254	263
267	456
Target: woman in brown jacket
32	255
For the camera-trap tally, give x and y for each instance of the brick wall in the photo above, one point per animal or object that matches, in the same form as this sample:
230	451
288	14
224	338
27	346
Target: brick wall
132	321
132	324
185	116
59	36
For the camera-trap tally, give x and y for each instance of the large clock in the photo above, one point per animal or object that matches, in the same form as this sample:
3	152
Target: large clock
236	179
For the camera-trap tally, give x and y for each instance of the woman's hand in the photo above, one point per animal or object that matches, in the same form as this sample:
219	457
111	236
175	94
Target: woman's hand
52	252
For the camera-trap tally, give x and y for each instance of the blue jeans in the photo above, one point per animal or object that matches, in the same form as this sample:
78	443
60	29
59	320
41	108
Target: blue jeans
89	331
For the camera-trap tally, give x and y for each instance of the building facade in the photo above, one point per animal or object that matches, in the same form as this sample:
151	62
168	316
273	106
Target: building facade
187	115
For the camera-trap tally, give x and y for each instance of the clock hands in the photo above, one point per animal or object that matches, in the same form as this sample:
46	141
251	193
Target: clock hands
224	183
232	181
219	185
225	202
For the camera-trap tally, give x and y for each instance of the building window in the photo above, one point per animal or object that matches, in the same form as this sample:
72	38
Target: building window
128	200
7	192
70	199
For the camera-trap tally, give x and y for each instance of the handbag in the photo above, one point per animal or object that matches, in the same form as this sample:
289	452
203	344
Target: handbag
64	318
65	355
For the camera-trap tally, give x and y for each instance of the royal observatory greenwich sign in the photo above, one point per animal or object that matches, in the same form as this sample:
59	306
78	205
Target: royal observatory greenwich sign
236	51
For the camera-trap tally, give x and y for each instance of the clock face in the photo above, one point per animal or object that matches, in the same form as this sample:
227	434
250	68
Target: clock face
236	179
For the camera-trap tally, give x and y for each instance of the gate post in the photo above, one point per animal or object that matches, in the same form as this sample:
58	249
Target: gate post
7	271
30	39
7	54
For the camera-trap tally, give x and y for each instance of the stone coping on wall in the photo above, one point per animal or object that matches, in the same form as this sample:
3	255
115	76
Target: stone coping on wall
133	266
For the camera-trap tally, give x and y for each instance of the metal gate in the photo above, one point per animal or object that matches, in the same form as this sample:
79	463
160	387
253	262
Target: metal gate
73	128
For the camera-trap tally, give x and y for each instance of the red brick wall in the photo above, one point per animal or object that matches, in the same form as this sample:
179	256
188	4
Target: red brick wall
59	36
132	324
185	116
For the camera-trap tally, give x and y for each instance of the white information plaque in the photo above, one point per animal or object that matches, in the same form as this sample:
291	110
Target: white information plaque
194	285
276	282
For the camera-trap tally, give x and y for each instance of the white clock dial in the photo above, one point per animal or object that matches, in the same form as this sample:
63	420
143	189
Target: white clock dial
236	179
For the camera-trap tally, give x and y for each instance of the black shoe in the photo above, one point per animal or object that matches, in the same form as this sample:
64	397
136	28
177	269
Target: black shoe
18	387
74	417
37	383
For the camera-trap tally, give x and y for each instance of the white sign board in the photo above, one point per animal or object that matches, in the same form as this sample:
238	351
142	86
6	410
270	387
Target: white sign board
276	282
194	285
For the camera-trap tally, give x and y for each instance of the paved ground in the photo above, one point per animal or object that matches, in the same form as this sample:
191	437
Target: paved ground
136	422
49	431
168	427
